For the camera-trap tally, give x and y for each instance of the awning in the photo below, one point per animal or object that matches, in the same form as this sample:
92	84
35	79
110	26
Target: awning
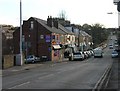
56	47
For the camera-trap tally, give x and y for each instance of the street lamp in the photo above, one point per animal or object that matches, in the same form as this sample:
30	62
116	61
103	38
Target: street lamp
118	13
110	13
21	32
117	2
20	61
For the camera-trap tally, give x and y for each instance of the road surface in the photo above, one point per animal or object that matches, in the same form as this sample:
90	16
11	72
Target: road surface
66	75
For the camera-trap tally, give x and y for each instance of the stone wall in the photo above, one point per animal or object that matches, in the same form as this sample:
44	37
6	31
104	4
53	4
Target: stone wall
8	61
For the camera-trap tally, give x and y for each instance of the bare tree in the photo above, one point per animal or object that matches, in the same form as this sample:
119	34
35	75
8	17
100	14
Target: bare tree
62	15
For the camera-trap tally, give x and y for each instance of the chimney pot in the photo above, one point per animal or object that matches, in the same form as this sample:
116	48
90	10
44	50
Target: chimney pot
50	21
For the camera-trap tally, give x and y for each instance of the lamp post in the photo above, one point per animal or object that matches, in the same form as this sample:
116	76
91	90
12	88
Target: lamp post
117	2
20	59
118	13
1	47
21	31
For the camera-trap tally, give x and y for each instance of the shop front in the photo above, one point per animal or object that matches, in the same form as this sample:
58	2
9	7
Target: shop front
56	52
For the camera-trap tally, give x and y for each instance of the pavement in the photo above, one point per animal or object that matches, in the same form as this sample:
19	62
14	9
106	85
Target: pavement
18	69
114	82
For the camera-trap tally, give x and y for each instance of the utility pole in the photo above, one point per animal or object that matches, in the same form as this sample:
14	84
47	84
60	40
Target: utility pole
19	60
21	32
1	48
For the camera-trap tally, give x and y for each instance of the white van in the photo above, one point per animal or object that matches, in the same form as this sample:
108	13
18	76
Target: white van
98	52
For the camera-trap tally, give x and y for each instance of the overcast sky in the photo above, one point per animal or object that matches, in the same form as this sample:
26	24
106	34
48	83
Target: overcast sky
77	11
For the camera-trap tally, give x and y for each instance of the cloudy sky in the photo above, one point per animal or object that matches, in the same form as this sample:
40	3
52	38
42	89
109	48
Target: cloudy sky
77	11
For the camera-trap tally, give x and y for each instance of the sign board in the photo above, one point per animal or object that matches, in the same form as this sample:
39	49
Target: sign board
47	38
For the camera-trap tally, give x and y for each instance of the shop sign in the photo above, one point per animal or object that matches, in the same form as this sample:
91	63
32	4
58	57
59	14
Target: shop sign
47	38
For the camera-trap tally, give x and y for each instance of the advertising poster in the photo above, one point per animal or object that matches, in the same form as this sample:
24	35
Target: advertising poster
47	38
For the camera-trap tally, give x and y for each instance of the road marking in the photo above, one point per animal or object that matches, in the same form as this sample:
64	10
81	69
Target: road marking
19	85
52	65
46	76
59	72
100	82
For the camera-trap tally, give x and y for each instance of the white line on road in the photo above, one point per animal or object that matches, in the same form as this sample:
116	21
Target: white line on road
46	76
19	85
52	65
59	72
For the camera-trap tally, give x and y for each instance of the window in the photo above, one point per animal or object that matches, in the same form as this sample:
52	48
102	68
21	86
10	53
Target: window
41	36
23	42
23	38
29	44
31	25
29	36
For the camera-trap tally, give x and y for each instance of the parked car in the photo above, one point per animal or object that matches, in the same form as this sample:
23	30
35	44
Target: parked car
32	59
116	45
44	58
89	53
85	54
78	56
114	54
98	52
69	53
92	53
110	46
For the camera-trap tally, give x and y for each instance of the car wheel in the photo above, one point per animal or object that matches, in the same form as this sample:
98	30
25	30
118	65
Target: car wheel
70	59
33	61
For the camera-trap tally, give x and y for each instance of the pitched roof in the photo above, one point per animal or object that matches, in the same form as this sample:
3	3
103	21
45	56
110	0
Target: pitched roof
51	29
84	33
65	30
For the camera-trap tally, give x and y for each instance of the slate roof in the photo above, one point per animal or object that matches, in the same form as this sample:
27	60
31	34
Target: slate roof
51	29
84	33
65	30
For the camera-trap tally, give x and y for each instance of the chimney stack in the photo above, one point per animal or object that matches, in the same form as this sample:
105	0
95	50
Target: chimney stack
56	24
50	21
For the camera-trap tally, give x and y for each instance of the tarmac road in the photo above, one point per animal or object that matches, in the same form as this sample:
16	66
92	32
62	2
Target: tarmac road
65	75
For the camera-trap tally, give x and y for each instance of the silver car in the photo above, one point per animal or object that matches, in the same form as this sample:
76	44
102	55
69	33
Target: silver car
114	54
78	56
31	59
